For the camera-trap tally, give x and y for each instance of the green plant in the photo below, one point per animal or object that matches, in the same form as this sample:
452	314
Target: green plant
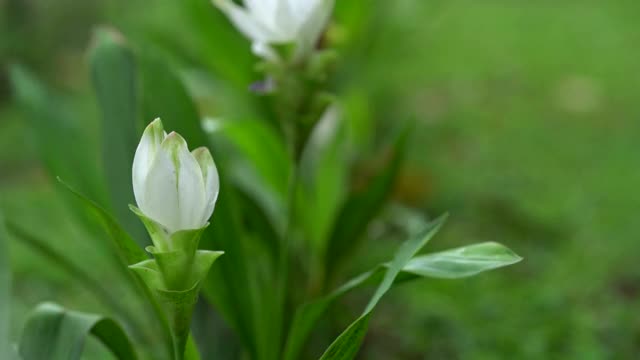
287	218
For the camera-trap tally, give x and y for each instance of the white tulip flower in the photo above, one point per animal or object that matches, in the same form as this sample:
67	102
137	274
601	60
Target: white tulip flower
176	188
272	22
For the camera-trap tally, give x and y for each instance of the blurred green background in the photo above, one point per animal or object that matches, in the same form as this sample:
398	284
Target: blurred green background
528	127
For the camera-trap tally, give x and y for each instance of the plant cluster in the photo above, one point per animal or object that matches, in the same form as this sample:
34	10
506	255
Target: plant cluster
288	217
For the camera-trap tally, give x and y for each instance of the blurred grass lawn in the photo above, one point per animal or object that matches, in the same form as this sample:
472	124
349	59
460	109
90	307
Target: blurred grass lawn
528	135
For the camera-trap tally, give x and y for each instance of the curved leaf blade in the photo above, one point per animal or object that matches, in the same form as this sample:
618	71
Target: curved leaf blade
450	264
463	261
43	248
308	314
323	177
402	257
126	247
113	71
127	250
129	254
228	283
259	166
54	333
51	120
362	206
165	96
346	346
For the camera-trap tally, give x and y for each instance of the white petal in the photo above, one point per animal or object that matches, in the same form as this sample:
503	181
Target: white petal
263	9
276	16
287	23
174	188
264	51
314	25
211	180
302	9
149	144
245	21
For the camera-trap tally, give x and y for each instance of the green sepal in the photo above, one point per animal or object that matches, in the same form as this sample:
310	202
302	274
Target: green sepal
154	272
158	233
177	258
186	240
175	267
149	273
203	261
181	270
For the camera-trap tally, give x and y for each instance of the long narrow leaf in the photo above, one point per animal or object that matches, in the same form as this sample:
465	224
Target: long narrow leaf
363	205
165	96
41	247
346	346
308	314
113	70
63	144
462	262
259	166
54	333
455	263
228	283
223	49
95	287
323	169
128	250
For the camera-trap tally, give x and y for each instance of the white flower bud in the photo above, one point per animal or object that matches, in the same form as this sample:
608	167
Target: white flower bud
271	22
172	186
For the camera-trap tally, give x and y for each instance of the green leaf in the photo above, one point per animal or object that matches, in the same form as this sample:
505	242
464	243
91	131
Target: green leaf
362	206
259	166
219	44
5	290
346	346
308	314
455	263
113	71
43	248
53	125
128	250
165	96
323	177
260	145
54	333
403	256
359	21
191	353
462	262
228	285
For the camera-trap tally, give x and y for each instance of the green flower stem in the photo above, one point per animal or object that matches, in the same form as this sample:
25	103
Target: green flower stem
300	97
178	306
298	102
